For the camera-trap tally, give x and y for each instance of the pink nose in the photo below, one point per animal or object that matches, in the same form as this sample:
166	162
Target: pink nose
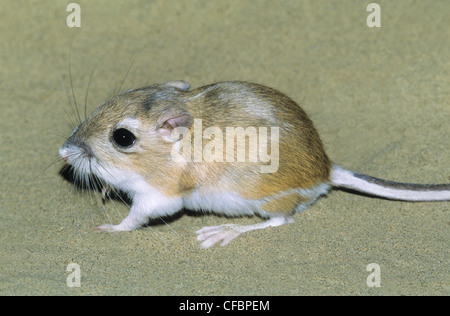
63	154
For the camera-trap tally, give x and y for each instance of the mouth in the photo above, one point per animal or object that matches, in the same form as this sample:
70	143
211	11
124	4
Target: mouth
78	159
79	166
83	181
90	182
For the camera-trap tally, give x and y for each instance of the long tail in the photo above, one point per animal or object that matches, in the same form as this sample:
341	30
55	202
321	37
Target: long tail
342	178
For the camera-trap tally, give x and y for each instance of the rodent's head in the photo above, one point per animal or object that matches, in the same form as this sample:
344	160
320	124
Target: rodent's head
131	134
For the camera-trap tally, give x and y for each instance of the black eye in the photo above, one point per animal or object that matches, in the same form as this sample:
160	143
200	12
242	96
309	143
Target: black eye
124	138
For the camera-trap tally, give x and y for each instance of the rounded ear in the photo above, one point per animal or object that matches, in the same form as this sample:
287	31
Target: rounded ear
179	84
174	127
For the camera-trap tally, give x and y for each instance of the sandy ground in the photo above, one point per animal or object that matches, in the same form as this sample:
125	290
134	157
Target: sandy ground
379	98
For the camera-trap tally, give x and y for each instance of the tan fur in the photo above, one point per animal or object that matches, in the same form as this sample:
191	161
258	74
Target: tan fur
285	204
303	163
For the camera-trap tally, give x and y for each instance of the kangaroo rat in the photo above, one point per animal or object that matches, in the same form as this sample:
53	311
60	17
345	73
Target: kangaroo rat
140	141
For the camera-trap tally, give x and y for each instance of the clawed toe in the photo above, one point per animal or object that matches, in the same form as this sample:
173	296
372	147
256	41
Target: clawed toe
215	234
226	233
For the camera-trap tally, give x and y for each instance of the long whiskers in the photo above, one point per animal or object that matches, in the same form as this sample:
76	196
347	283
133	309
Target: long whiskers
83	173
71	121
71	87
89	85
126	74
